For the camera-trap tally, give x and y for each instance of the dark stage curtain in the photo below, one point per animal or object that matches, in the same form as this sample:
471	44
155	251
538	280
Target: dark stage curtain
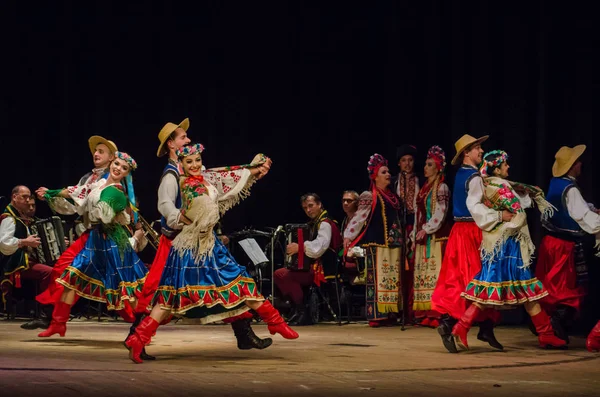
319	88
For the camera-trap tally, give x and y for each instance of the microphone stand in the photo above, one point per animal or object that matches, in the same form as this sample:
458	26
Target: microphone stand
273	238
403	252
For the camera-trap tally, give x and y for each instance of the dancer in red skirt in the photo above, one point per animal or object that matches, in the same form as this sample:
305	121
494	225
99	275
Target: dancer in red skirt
461	260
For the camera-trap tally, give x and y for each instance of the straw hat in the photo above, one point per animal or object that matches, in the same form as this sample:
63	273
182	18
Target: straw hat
97	139
565	158
464	142
166	132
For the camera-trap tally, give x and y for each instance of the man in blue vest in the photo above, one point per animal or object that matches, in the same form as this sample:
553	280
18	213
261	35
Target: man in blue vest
462	261
568	244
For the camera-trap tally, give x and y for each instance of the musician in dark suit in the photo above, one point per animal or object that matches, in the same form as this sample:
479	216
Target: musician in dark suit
321	246
19	260
406	186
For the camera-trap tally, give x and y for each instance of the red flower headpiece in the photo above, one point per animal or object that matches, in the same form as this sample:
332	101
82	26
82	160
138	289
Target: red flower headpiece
375	163
437	154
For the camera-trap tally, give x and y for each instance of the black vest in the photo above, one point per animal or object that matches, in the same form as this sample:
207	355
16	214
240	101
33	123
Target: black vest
18	261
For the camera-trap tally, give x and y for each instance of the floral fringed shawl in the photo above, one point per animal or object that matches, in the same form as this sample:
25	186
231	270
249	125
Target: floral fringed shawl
206	198
502	195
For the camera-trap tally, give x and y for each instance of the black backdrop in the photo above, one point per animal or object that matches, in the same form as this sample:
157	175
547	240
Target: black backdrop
317	87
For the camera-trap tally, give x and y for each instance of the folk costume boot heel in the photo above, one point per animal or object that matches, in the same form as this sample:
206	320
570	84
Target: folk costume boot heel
462	327
58	324
545	332
275	322
140	338
593	339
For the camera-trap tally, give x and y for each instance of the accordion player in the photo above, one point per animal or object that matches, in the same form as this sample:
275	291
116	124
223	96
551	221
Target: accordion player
298	233
51	233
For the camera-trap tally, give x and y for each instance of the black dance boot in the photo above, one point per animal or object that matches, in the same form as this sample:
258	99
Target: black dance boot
486	334
138	319
561	319
43	321
445	331
246	338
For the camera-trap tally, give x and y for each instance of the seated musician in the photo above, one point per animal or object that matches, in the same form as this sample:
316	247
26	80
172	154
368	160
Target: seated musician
321	246
19	260
350	206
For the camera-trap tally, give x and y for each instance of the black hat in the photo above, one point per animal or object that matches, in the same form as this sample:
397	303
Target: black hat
404	150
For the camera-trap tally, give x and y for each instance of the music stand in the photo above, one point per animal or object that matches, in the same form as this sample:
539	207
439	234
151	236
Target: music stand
256	255
276	232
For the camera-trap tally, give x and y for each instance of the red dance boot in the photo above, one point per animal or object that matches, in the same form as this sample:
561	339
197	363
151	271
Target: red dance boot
140	338
593	339
275	323
462	327
546	336
58	325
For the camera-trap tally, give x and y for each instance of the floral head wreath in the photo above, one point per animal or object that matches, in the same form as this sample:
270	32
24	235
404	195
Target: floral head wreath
188	150
375	163
437	154
496	158
128	159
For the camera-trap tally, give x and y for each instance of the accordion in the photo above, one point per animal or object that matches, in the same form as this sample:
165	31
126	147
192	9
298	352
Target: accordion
298	233
51	233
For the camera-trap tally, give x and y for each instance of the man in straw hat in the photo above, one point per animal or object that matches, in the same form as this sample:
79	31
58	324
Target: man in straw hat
461	261
103	152
172	137
569	240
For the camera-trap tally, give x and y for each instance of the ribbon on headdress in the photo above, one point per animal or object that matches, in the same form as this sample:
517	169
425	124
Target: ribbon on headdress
131	196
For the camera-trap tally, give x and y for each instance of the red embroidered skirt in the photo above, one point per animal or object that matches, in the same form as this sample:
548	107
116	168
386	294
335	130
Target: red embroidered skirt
556	270
460	264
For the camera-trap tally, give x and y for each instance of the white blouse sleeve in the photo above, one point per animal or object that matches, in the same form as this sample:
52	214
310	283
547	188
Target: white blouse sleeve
8	242
441	209
167	196
579	210
361	216
525	200
317	247
486	218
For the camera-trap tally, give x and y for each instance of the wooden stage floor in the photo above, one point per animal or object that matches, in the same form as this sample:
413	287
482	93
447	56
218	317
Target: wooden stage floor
327	360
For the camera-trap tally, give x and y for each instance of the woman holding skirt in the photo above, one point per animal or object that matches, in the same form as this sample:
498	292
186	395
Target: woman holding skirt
106	269
201	279
505	278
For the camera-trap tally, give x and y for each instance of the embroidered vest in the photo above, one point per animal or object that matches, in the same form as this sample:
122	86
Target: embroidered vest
19	260
461	189
384	228
172	169
329	259
561	223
